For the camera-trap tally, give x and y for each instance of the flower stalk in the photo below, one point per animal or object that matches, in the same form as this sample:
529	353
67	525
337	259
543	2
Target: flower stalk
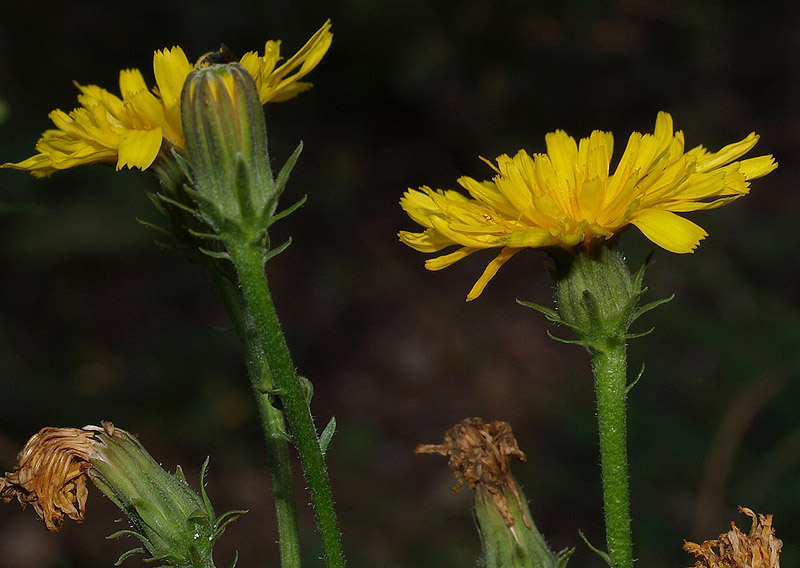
598	300
611	389
273	422
236	196
279	371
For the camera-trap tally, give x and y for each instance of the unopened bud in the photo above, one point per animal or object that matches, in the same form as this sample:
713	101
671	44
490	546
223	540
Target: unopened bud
226	141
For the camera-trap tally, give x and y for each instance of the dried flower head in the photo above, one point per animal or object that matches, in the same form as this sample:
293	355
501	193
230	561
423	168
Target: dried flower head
480	455
51	475
175	525
734	549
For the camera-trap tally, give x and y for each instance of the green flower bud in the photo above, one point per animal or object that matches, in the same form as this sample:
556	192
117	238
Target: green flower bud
226	142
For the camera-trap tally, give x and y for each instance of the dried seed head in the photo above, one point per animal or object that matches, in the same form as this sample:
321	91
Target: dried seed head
480	455
51	475
734	549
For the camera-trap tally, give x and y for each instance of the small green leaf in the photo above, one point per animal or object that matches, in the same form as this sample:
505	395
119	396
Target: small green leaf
636	380
600	553
308	389
327	435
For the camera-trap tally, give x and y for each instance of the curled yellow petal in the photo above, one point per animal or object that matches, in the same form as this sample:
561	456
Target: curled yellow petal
491	269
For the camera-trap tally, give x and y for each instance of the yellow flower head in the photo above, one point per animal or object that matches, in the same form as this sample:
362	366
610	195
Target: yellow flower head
568	197
128	131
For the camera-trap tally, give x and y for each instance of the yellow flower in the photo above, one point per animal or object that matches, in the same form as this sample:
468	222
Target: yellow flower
128	131
568	197
277	84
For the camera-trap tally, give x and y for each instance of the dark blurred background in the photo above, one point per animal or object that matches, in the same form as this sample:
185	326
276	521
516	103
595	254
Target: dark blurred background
99	323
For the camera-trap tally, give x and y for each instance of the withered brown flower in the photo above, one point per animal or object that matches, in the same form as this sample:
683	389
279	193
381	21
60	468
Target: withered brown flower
480	455
51	474
734	549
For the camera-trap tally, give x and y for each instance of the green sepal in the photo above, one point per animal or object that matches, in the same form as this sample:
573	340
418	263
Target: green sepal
637	335
209	509
182	206
214	254
205	236
179	473
175	525
286	212
125	555
272	253
563	556
554	317
283	175
652	305
242	191
184	166
581	342
154	226
223	521
551	315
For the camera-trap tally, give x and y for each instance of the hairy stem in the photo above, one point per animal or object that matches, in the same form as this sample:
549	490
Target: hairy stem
272	421
609	365
248	258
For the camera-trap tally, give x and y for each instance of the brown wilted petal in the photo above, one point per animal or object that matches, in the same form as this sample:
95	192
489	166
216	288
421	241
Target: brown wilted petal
734	549
51	475
480	454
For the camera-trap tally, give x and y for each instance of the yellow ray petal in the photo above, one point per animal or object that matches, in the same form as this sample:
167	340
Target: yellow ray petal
446	260
171	67
669	231
428	241
505	254
138	148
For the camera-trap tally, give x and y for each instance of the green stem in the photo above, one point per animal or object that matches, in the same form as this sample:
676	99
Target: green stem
609	365
272	422
248	258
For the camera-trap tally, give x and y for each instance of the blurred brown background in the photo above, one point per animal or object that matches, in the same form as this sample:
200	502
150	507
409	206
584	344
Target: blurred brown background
98	323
